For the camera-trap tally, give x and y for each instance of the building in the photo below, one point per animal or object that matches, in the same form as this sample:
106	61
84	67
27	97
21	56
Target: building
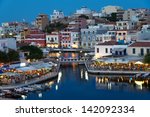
56	15
101	38
53	40
77	24
12	28
121	36
139	48
110	9
88	36
119	14
125	25
7	43
69	39
130	14
84	11
75	39
36	37
110	48
144	34
42	21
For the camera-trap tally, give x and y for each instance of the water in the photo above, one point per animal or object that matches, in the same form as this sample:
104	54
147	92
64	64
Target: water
74	83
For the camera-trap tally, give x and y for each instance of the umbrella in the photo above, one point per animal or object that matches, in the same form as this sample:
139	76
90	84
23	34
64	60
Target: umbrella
138	63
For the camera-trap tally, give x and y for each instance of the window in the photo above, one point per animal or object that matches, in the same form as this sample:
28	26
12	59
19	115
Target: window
133	51
148	51
106	50
97	50
110	50
142	51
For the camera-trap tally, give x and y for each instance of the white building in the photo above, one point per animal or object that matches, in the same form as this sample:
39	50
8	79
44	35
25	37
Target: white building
110	9
75	42
52	40
56	15
7	43
125	25
130	14
139	48
110	48
83	11
88	36
13	28
101	38
144	34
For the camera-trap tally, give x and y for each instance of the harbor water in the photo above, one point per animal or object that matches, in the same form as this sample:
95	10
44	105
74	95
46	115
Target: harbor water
74	83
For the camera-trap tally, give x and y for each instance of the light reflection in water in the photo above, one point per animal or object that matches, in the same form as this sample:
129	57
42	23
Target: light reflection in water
86	75
40	95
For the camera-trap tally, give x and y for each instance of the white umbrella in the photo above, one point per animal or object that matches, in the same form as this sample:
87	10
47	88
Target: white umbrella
138	63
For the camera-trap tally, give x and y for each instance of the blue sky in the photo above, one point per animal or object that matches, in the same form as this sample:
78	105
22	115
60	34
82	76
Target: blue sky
17	10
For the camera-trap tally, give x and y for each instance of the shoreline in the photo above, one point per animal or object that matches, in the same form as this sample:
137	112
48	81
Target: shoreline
103	72
45	77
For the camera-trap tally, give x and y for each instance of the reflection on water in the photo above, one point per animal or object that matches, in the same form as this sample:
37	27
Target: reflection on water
74	82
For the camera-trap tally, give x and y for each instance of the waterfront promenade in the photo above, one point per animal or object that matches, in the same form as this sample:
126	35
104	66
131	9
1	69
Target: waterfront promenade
115	72
30	82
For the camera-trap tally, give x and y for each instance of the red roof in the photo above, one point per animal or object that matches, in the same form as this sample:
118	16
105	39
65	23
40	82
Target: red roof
109	43
140	44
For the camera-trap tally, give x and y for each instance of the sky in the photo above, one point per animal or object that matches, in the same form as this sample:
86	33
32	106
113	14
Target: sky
17	10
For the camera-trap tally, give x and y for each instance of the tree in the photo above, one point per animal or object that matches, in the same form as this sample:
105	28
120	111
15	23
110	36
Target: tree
3	57
147	58
55	27
35	52
13	55
84	16
112	18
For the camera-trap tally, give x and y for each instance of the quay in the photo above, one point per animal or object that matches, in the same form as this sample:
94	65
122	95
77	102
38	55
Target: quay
111	72
45	77
70	50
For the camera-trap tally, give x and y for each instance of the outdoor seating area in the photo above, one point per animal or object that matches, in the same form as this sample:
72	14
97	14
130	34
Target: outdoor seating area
132	66
22	74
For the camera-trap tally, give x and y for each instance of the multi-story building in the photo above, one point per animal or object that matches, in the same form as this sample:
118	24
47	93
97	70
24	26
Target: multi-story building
119	14
69	39
77	24
101	38
13	28
36	37
42	21
125	25
7	43
144	34
121	36
53	40
130	14
110	9
139	48
88	36
56	15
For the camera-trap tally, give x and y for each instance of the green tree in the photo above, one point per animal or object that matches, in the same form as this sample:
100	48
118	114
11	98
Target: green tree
84	16
35	52
55	27
13	55
147	58
3	57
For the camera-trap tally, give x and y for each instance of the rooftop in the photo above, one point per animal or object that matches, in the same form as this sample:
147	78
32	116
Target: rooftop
109	43
140	44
